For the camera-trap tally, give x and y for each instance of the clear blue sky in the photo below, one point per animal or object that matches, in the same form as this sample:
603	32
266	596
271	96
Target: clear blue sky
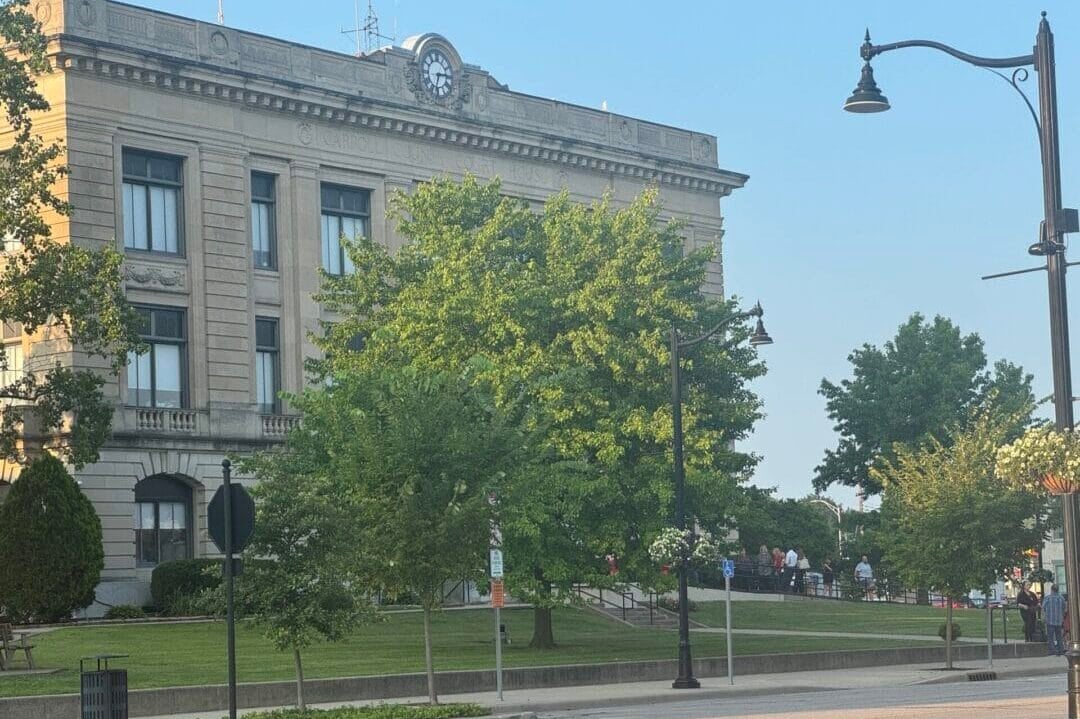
848	223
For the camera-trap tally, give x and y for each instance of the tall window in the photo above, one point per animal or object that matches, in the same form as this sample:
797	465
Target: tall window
263	221
162	520
156	377
12	370
152	202
267	373
345	212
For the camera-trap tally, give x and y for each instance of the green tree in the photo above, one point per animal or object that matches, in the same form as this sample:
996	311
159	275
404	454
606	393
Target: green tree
784	523
70	291
923	381
301	582
570	307
393	472
950	523
51	554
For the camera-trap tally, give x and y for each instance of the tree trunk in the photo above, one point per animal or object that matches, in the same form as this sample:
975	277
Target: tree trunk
429	664
948	632
299	681
542	637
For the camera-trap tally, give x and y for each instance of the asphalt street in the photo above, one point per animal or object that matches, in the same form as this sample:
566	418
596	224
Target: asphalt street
1034	698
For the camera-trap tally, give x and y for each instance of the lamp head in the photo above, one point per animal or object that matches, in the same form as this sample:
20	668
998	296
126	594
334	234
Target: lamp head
760	336
867	96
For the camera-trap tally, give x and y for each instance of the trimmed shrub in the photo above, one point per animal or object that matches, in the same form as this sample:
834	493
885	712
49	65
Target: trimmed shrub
125	611
672	604
171	581
51	555
955	631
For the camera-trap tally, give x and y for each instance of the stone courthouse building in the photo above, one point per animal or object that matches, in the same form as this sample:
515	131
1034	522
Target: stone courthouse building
225	165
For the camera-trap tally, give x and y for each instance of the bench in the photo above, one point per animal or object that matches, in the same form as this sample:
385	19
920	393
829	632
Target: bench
12	642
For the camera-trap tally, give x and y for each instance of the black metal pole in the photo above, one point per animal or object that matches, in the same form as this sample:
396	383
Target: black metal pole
686	679
230	619
1059	331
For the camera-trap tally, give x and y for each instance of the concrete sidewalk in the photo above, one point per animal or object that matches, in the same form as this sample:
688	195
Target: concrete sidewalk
608	695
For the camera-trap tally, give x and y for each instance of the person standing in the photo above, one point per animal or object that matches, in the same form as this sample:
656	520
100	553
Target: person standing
827	576
1053	607
791	561
778	568
764	568
864	576
1028	603
802	565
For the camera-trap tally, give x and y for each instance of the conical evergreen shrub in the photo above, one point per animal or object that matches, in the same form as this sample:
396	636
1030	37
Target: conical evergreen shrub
51	555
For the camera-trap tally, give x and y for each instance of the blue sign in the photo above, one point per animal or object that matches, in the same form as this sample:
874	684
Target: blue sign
729	568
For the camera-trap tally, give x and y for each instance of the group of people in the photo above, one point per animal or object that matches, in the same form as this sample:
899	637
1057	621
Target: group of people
1053	608
781	571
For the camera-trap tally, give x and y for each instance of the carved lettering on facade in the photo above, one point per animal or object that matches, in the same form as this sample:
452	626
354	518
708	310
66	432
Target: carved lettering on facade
124	22
414	152
261	52
173	33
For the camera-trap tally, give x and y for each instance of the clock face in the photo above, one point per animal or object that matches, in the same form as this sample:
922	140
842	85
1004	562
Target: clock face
437	74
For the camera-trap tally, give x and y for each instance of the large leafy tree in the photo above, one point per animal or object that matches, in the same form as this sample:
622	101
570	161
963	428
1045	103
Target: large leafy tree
919	384
50	545
570	308
785	523
70	294
950	523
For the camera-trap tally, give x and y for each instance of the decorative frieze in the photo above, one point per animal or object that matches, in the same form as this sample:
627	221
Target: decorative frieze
318	119
173	279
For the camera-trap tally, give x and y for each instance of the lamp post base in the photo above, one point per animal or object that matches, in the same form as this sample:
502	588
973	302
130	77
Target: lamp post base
1073	709
686	683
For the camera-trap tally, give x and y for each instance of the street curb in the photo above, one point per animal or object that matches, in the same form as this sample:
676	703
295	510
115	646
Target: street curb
674	695
962	676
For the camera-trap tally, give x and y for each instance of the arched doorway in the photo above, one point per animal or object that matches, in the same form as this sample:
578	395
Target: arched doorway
163	520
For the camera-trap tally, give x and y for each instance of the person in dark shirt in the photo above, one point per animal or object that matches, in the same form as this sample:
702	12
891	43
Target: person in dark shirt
1028	603
828	576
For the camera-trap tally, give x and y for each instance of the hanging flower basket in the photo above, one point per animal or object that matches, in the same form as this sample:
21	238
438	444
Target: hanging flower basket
1057	484
1042	458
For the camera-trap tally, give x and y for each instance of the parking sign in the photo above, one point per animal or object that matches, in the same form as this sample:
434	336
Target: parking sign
729	568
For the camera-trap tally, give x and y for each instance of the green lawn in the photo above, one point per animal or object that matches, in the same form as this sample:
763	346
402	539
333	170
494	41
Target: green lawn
186	654
825	615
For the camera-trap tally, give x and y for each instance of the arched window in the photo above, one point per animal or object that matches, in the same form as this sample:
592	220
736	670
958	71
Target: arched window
162	520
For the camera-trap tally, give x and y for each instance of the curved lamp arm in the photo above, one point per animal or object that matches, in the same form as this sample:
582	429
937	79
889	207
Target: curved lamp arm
755	311
869	51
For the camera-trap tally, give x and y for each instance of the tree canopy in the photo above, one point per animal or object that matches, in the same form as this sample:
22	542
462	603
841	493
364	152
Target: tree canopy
570	307
921	383
72	293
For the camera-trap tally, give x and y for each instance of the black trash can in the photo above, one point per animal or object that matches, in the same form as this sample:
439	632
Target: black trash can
103	692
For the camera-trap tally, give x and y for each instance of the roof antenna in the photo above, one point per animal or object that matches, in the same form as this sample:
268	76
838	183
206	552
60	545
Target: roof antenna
368	37
220	13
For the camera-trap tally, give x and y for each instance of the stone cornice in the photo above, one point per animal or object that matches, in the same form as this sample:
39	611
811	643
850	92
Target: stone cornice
309	103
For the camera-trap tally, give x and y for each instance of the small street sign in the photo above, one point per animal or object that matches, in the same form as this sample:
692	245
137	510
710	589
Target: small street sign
496	563
243	517
498	596
729	568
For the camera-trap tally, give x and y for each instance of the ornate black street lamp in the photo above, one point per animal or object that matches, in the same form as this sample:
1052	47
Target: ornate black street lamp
686	678
1056	223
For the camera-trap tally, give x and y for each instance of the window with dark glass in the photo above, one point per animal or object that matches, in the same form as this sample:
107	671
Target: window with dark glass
156	377
346	212
153	202
263	220
267	373
162	520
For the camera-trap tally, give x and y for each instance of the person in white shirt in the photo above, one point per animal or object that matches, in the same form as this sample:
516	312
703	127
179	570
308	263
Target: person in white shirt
864	577
791	560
